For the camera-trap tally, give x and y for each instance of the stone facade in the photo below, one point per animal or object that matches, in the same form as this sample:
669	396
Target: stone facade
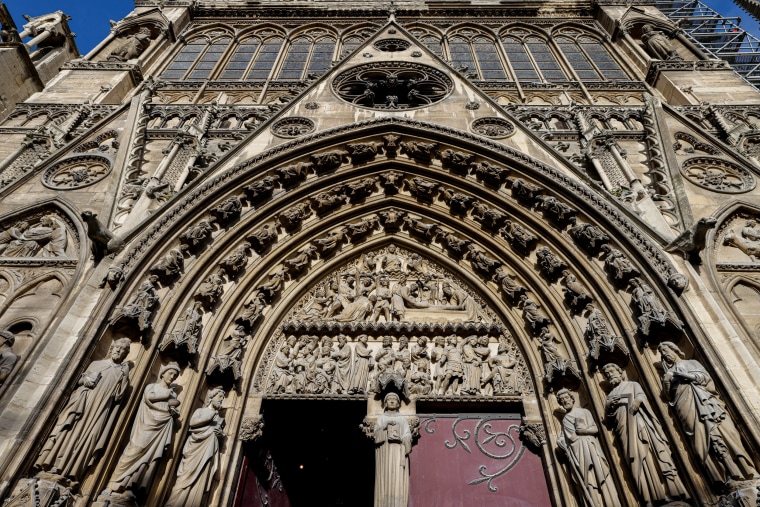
229	212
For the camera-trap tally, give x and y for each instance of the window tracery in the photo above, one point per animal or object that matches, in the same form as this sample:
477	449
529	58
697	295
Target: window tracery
198	58
307	54
253	58
478	54
531	57
588	57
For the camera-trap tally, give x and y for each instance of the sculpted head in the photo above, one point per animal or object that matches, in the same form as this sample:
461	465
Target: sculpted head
342	339
119	350
452	340
215	397
565	399
670	353
387	341
403	342
391	248
613	373
392	402
169	373
439	341
22	226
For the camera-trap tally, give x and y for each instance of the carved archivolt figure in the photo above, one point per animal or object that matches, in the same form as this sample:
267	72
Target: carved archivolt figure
650	308
658	44
393	443
588	466
132	47
151	435
749	242
7	358
84	425
703	416
141	306
644	443
172	263
228	355
200	456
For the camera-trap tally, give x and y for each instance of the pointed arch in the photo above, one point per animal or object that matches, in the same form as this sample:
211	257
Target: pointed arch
587	53
200	54
474	48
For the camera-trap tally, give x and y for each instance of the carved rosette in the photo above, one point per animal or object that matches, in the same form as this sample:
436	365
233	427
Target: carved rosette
76	172
718	175
495	128
293	127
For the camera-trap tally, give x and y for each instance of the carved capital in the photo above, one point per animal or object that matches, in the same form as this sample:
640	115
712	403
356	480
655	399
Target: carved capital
534	435
251	428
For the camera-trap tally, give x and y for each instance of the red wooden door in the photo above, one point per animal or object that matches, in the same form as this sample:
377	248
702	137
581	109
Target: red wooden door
474	460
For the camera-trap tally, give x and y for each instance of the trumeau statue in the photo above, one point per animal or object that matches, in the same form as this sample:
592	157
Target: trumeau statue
588	466
151	435
393	443
703	417
642	439
84	425
7	358
200	456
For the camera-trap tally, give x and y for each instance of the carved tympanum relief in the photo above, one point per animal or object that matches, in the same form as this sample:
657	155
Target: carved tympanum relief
392	310
44	235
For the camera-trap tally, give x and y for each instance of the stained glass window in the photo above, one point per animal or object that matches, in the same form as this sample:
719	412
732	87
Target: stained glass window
305	57
197	59
253	59
478	55
589	58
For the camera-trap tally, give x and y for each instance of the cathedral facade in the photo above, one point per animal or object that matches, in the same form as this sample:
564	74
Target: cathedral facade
413	253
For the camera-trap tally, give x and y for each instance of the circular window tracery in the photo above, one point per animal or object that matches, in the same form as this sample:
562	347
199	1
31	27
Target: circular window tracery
392	85
718	175
293	127
391	45
76	172
495	128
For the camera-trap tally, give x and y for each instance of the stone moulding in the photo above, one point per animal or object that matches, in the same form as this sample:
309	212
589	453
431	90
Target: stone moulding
462	329
657	67
195	196
134	70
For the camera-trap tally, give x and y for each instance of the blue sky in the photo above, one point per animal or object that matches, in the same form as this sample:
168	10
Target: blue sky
90	17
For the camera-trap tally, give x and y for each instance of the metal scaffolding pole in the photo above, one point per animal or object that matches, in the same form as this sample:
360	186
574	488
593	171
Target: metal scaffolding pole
717	35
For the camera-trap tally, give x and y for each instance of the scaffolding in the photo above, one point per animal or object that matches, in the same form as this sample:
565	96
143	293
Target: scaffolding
718	35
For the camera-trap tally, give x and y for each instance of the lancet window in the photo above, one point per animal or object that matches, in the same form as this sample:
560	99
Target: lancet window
197	59
350	44
532	59
478	54
588	57
307	55
253	59
431	41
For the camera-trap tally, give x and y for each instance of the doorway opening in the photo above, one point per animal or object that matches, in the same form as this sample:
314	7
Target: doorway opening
311	454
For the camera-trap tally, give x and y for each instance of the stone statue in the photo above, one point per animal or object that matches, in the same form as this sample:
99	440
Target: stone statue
642	439
141	306
600	335
420	382
197	234
501	379
7	358
210	290
363	362
393	443
342	357
703	417
658	44
651	310
188	333
200	456
228	355
551	265
151	435
171	264
453	371
85	423
618	265
462	301
748	242
588	466
576	294
104	242
236	261
471	366
132	47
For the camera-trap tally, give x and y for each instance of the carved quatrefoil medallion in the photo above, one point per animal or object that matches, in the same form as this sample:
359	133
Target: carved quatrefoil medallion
391	45
495	128
76	172
293	127
392	85
717	175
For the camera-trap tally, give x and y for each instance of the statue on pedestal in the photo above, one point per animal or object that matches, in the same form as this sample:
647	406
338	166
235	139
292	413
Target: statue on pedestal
393	443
